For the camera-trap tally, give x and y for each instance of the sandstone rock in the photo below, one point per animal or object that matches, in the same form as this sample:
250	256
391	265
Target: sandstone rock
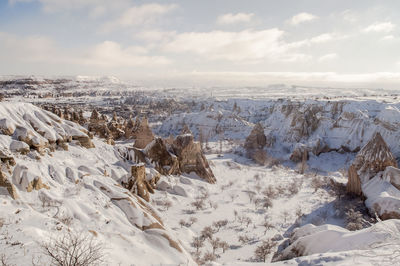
186	130
164	161
84	141
36	184
374	157
300	153
191	157
256	139
137	182
6	127
6	157
19	146
4	182
26	180
142	134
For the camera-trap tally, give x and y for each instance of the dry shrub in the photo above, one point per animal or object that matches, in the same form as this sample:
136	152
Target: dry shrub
264	250
73	249
270	192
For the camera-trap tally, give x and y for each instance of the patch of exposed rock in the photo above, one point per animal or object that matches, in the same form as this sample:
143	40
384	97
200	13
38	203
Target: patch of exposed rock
5	183
255	143
137	182
164	161
191	157
142	134
373	158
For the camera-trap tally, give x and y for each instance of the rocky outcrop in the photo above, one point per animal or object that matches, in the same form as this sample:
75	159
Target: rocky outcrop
25	180
256	139
142	134
255	144
300	153
164	161
373	158
84	141
5	183
137	182
191	157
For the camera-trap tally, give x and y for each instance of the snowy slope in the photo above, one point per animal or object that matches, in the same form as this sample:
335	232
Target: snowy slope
82	195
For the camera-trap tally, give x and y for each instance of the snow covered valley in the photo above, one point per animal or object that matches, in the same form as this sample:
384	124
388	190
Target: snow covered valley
149	178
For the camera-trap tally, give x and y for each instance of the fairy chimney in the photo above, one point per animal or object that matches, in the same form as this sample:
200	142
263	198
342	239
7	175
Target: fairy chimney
373	158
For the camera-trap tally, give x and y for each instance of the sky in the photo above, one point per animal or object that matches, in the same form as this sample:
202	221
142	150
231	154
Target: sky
205	43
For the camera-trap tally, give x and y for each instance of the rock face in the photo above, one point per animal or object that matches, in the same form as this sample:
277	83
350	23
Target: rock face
141	182
191	157
256	139
142	134
255	144
373	158
300	153
184	155
4	182
164	161
137	182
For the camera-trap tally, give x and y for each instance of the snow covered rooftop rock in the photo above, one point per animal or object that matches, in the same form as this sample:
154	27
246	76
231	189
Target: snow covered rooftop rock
38	128
331	241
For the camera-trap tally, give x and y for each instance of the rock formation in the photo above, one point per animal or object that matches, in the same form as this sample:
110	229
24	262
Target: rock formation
191	157
255	144
142	134
164	161
137	182
373	158
4	182
256	139
300	153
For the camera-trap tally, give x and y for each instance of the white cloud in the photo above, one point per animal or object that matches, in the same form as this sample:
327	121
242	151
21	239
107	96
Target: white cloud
319	39
40	49
388	38
328	57
139	15
247	45
301	18
111	54
384	27
228	19
236	79
155	35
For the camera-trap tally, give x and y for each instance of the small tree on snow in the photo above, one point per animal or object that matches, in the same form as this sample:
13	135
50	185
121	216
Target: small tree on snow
264	250
198	243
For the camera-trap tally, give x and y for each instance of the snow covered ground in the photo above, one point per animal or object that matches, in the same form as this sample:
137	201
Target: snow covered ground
249	203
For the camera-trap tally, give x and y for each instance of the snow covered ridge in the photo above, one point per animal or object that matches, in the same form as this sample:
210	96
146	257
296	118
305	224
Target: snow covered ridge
51	182
344	125
377	244
37	129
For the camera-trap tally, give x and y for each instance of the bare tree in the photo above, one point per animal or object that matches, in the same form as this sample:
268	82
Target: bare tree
285	215
267	226
207	232
198	204
209	256
73	249
198	242
214	244
224	245
219	224
264	250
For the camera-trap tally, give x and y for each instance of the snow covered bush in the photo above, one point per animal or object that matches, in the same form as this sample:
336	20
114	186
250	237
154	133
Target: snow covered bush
354	220
264	250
